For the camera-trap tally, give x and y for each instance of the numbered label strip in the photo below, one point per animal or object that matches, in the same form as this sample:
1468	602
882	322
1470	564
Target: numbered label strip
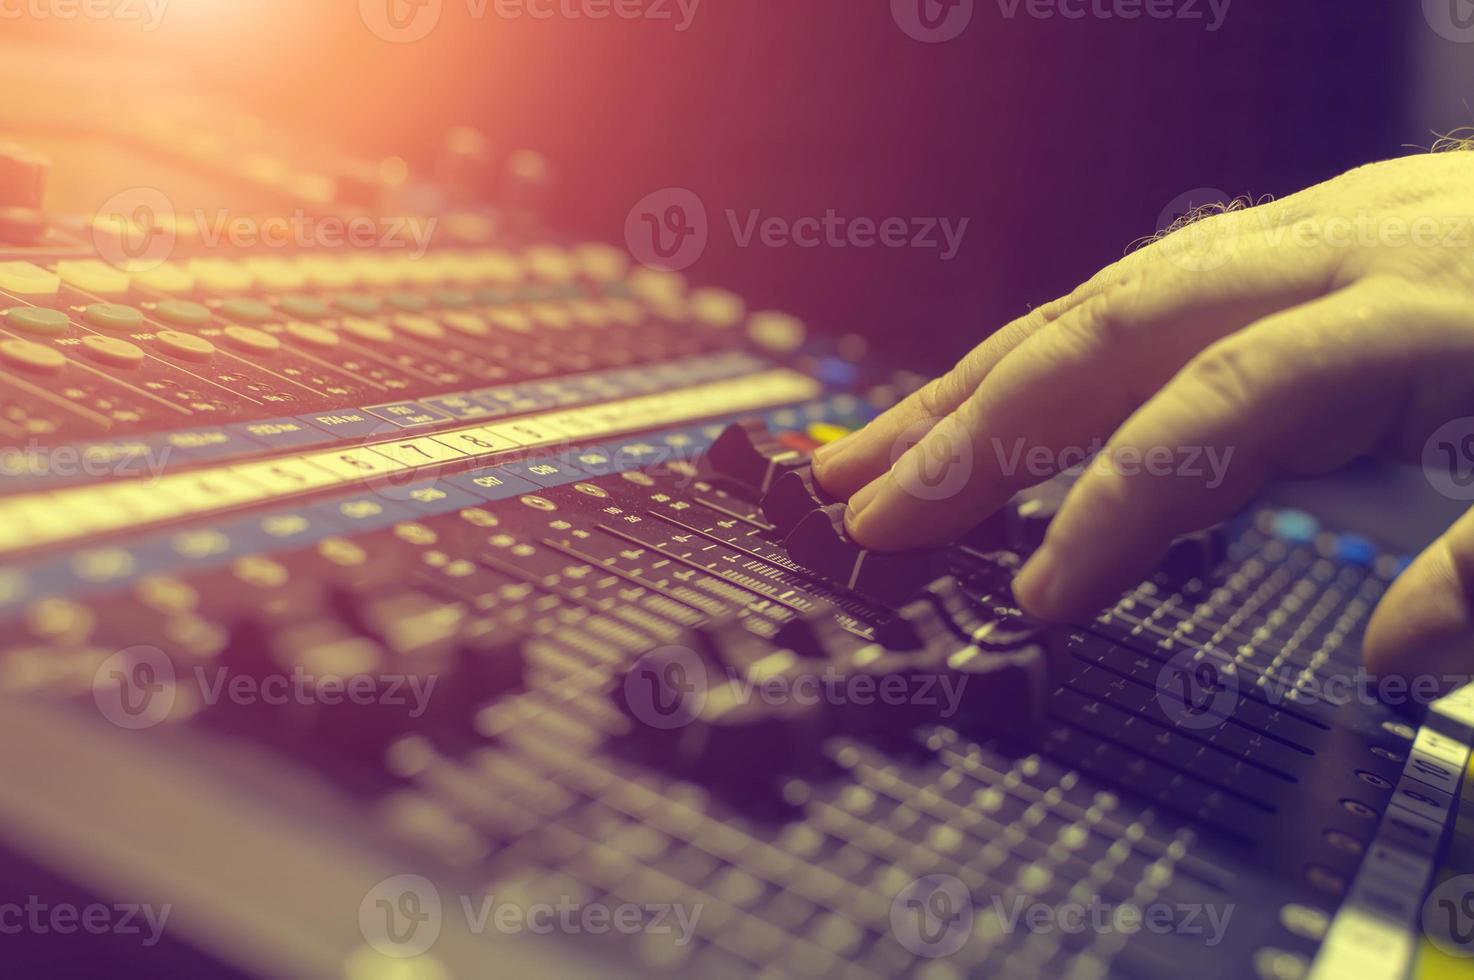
49	519
1375	931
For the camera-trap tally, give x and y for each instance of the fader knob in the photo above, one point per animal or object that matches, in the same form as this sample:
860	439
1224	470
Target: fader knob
819	542
748	454
23	175
793	496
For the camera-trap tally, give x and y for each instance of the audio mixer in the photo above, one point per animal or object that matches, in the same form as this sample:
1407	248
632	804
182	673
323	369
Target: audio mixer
467	610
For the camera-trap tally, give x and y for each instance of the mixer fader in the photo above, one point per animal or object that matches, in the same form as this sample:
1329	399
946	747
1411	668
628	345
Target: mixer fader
525	537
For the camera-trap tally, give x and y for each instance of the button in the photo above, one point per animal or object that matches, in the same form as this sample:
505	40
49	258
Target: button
819	542
776	331
1355	549
359	304
600	262
113	350
246	310
184	345
304	307
31	356
467	323
251	340
312	335
221	275
182	312
419	326
92	276
793	497
328	273
717	307
165	277
370	331
409	302
37	320
113	316
452	298
749	455
824	432
22	226
277	275
28	279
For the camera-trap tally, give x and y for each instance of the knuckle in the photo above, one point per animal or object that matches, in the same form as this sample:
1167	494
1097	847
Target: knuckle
1225	373
937	396
1108	317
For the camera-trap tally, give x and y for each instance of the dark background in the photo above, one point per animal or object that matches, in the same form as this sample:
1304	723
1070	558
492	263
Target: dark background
1060	140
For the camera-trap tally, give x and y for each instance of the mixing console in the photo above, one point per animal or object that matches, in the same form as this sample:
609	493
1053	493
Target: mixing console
504	564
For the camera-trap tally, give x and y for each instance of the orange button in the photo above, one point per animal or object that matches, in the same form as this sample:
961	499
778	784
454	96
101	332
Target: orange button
31	356
113	350
251	340
184	345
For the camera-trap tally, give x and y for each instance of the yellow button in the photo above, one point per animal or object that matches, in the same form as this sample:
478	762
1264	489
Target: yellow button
276	274
550	263
28	279
826	433
184	345
37	319
221	275
328	273
466	323
31	356
368	330
776	331
419	326
92	276
113	350
166	277
717	307
311	334
251	340
603	263
498	267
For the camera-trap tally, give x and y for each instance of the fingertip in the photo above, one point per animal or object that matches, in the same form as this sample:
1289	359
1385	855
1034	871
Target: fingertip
1422	625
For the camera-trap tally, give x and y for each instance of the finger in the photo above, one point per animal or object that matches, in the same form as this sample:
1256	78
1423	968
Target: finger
846	465
1423	629
1300	392
1069	385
